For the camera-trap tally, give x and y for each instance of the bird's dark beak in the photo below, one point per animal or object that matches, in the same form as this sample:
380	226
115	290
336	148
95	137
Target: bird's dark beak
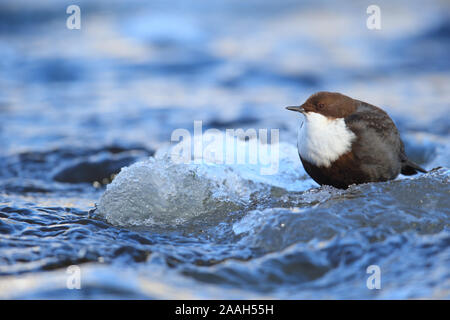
296	108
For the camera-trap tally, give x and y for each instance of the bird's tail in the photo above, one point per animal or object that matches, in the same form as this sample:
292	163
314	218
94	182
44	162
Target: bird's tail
410	168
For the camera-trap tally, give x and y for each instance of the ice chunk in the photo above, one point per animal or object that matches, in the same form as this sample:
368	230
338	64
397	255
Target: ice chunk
164	191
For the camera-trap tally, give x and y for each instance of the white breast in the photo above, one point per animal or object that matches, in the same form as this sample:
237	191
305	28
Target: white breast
322	141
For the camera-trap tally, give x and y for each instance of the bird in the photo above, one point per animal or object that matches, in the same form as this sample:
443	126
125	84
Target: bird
344	141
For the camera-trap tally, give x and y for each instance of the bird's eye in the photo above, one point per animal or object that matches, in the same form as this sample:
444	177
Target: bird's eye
320	106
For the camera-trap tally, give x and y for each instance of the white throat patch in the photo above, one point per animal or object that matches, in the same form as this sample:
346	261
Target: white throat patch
322	141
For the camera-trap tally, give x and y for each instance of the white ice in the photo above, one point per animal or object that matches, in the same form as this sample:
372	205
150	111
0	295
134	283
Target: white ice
163	191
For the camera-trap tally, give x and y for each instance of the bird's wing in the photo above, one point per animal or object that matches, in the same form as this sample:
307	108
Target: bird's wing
377	134
368	117
379	137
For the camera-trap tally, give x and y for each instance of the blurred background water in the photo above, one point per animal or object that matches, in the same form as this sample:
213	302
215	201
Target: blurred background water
78	105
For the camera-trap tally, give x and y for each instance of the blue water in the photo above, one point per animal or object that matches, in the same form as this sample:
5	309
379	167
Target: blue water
78	105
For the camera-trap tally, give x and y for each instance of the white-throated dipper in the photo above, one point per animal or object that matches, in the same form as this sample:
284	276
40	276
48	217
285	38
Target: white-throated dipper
344	141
